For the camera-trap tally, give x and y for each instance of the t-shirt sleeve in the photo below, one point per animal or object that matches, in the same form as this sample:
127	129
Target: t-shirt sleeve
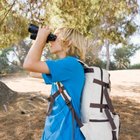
59	70
47	78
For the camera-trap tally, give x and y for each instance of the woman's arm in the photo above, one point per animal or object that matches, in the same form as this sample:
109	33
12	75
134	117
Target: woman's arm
33	61
35	75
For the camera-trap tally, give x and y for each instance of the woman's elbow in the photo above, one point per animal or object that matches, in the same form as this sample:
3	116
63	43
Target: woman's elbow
27	65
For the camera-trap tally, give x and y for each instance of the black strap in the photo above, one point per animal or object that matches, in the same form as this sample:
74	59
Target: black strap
88	70
51	99
109	83
93	105
110	119
114	137
108	100
68	102
74	115
101	83
101	99
93	120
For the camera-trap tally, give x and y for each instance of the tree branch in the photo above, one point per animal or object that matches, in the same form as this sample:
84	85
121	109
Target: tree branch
8	12
98	10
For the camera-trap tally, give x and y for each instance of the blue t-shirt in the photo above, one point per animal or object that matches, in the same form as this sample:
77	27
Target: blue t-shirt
70	73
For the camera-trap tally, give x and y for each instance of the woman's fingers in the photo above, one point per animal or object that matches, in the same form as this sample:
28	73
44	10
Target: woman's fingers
43	33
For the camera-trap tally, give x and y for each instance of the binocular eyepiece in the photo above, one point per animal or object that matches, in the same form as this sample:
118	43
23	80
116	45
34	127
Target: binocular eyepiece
33	29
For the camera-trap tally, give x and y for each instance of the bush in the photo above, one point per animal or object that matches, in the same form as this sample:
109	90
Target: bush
112	66
135	66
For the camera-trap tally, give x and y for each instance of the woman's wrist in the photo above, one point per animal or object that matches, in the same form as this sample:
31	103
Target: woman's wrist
39	43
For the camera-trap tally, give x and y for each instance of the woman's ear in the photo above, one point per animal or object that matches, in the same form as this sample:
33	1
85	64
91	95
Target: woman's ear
69	43
68	46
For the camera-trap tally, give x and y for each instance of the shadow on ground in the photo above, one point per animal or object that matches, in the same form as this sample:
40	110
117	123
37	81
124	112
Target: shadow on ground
129	111
22	116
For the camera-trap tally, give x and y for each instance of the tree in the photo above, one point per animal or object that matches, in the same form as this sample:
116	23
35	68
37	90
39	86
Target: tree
12	25
20	50
12	58
100	20
122	56
104	21
3	63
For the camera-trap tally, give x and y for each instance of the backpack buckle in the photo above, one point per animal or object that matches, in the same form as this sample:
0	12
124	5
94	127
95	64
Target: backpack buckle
67	102
60	90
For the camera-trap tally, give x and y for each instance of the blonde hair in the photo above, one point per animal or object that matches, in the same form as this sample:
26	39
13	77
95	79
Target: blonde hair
74	41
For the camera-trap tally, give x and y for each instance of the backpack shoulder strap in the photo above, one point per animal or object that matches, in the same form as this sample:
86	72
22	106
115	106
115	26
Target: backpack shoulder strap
87	69
69	104
83	63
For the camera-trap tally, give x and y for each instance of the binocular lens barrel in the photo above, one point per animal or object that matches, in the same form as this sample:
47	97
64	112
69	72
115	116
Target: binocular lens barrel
33	36
33	29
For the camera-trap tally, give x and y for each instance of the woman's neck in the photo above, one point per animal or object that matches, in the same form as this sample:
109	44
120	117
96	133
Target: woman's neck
61	55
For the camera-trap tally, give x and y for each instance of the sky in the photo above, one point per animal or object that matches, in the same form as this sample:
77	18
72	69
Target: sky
136	58
136	40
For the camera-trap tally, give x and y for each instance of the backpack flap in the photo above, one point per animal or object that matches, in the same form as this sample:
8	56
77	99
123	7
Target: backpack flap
92	93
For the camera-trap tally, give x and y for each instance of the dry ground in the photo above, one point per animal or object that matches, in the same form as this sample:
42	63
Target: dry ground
22	116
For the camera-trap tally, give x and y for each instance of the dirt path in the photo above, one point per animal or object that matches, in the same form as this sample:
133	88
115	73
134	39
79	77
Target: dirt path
27	84
124	83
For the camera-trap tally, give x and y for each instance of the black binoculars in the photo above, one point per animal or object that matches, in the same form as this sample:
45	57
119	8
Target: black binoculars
33	29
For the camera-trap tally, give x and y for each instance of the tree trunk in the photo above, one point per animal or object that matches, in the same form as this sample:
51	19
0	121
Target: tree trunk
107	55
6	94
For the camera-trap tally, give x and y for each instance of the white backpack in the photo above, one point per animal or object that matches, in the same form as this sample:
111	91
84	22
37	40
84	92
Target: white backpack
98	119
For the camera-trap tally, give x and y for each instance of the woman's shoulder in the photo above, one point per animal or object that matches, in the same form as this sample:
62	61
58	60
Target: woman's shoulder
73	63
70	59
68	62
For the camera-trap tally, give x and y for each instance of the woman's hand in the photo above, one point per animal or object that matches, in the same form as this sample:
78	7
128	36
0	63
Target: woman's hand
42	35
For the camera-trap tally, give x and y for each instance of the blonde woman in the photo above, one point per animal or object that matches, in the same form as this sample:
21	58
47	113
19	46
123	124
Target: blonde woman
68	46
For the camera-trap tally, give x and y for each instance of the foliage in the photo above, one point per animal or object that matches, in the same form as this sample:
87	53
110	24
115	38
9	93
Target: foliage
3	63
12	25
92	60
135	66
20	51
123	54
12	58
99	20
